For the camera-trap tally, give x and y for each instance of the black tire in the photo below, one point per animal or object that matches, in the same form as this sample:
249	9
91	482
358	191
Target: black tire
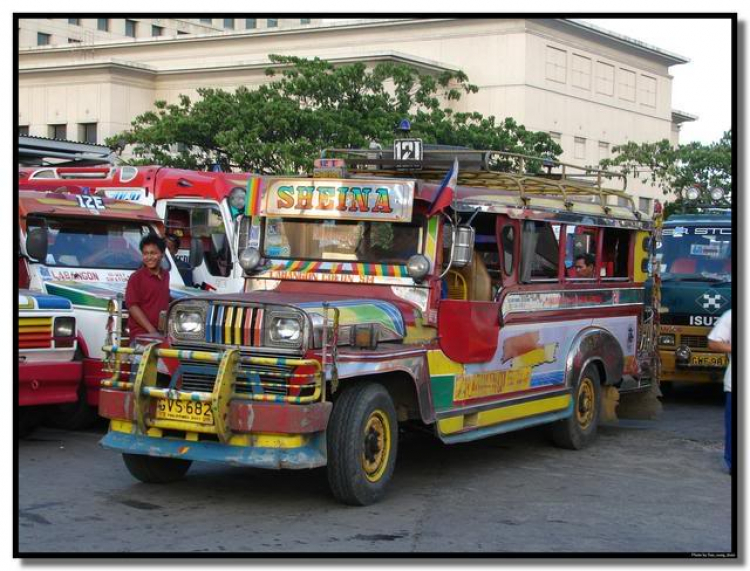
579	430
29	417
75	415
362	444
155	470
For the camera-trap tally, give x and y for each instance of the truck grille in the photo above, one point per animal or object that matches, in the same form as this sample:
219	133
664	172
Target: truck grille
695	341
251	379
34	332
234	325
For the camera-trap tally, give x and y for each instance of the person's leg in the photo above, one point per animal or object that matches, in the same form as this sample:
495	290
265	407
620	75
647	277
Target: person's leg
728	430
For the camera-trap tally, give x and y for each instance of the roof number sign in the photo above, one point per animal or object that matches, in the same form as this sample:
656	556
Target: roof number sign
90	202
407	150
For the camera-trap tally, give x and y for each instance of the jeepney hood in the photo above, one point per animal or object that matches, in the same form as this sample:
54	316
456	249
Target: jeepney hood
684	297
352	311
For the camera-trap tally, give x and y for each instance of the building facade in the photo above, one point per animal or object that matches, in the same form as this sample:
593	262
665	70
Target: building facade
590	89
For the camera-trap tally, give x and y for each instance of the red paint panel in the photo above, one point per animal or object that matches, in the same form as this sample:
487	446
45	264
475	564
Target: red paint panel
278	418
48	383
468	330
115	404
93	374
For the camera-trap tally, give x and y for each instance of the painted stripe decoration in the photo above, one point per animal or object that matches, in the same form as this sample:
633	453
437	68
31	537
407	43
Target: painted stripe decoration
253	197
354	268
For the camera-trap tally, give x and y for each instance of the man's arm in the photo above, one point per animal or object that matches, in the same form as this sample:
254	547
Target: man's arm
719	346
140	317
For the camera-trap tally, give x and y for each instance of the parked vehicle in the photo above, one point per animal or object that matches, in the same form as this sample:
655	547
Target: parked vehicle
364	310
695	254
82	249
48	372
200	207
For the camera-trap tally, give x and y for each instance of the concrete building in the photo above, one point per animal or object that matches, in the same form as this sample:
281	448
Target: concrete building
590	89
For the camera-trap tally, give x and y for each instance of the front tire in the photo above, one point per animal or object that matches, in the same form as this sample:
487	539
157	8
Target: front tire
155	470
362	444
579	430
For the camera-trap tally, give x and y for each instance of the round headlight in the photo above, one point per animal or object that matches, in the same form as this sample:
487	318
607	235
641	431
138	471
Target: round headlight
189	321
693	193
717	193
249	259
237	198
65	327
418	266
285	329
682	353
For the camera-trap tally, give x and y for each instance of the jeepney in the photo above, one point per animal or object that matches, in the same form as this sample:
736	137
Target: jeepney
48	373
362	312
200	208
82	249
695	257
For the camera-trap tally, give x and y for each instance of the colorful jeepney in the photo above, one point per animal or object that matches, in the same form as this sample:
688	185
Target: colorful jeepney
695	255
362	312
48	373
82	249
200	208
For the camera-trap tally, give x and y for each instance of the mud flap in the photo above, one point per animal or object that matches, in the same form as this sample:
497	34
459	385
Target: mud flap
610	400
641	405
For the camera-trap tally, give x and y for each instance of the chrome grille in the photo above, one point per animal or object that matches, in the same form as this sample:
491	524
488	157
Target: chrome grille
200	377
695	341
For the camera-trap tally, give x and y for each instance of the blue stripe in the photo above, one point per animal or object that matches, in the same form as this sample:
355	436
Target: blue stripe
209	329
551	378
50	301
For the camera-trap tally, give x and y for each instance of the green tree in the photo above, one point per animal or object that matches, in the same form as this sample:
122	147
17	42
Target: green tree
675	169
281	126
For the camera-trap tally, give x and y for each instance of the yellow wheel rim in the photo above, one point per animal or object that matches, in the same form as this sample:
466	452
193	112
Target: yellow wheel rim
376	447
585	405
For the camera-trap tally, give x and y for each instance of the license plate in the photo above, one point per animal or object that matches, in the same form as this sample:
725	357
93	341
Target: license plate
708	361
190	411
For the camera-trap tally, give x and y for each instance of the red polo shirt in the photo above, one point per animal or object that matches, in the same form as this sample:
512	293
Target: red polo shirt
149	292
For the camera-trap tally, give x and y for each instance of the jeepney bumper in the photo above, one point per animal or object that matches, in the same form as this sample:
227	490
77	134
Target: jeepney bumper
246	425
46	383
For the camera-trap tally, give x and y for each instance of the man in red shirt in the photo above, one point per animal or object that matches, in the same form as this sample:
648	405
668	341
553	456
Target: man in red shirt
147	293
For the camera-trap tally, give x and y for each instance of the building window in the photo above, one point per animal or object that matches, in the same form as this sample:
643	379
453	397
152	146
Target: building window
73	41
251	23
605	78
74	21
42	39
229	23
644	205
58	132
157	31
304	20
580	148
603	150
626	84
648	90
206	21
87	132
23	130
102	24
272	23
130	28
581	72
180	33
556	67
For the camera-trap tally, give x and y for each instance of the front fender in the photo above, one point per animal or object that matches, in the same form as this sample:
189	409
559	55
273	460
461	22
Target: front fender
594	344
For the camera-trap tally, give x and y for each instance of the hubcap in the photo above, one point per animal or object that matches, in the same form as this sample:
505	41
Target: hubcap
585	403
376	445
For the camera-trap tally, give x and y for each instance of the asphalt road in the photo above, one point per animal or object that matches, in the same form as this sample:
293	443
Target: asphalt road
646	486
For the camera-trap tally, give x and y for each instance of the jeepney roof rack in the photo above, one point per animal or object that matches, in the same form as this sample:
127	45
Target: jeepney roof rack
530	176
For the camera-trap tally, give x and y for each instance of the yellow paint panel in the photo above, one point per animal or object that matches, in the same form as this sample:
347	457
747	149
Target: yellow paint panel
639	256
31	321
506	413
121	426
270	440
442	365
418	333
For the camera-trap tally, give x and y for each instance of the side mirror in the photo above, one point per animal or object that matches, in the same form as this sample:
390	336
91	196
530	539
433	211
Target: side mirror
464	246
36	243
196	252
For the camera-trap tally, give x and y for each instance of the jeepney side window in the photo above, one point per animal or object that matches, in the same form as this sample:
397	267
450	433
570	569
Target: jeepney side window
615	254
580	250
540	251
508	238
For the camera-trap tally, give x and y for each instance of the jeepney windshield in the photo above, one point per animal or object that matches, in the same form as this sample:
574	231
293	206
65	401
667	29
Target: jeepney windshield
341	240
92	243
696	251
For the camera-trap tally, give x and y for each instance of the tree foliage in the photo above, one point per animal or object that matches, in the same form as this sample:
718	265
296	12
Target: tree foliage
281	126
675	169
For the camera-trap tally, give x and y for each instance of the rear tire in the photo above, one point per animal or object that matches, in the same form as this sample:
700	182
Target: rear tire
362	444
155	470
579	430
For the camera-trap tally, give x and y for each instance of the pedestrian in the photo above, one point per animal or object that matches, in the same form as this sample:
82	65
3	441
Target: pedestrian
720	340
147	292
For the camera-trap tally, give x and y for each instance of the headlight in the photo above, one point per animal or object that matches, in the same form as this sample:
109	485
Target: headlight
249	259
64	327
285	330
418	266
187	320
666	340
682	353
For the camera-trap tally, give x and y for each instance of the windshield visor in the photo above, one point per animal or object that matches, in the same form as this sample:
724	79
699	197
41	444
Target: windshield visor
341	240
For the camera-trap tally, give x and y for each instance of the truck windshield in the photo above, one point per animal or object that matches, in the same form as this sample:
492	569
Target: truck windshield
91	243
341	240
697	251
